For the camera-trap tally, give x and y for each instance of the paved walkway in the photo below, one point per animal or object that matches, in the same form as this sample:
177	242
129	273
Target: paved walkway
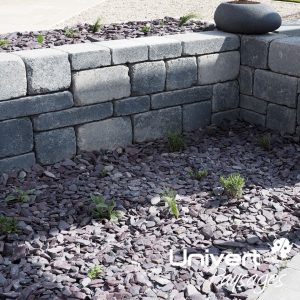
20	15
291	283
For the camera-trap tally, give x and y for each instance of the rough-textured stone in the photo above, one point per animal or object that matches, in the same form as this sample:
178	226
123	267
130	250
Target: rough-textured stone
13	81
194	94
24	161
126	51
157	124
48	70
246	80
73	116
218	67
148	77
229	115
55	145
298	111
255	48
33	105
131	106
281	118
207	42
254	104
108	134
16	137
252	117
196	115
100	85
284	56
225	96
276	88
87	55
181	73
161	47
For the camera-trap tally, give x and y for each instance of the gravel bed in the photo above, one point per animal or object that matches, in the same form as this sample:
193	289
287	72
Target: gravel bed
82	33
59	240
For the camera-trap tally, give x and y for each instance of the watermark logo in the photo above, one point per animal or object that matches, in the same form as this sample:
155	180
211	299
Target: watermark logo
281	247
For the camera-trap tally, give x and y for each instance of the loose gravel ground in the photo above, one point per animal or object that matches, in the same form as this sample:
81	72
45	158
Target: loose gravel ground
59	241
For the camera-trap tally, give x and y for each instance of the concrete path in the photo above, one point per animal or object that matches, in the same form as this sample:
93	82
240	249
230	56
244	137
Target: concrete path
291	283
25	15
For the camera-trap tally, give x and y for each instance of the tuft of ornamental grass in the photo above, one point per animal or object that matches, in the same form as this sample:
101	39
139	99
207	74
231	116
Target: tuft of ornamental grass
69	32
4	42
175	142
265	142
96	26
146	29
184	19
19	195
40	39
8	225
170	200
233	185
198	174
95	271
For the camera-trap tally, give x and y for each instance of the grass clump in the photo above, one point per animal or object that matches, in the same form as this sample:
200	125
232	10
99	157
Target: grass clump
184	19
105	209
4	42
233	185
170	200
176	142
19	195
103	173
69	32
95	271
40	39
198	174
265	142
8	225
146	29
96	26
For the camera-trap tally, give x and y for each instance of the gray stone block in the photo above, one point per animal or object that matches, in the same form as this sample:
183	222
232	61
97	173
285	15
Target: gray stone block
48	70
246	80
275	88
196	115
34	105
194	94
255	48
225	96
281	118
254	104
24	161
162	47
284	56
72	116
13	81
299	86
207	42
298	111
218	67
131	106
54	146
87	55
148	77
100	85
252	117
107	135
181	73
229	115
16	137
298	131
157	124
126	51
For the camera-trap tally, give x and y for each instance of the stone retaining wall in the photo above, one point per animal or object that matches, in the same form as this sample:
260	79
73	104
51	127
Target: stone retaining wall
56	102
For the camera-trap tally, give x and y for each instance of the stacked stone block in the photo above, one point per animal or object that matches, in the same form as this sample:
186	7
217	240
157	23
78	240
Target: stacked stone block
86	97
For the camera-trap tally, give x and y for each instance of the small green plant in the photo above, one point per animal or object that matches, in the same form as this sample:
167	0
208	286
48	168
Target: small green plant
4	42
233	184
184	19
198	174
170	200
146	29
105	209
95	271
265	142
19	195
40	39
8	225
69	32
96	26
176	142
103	173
